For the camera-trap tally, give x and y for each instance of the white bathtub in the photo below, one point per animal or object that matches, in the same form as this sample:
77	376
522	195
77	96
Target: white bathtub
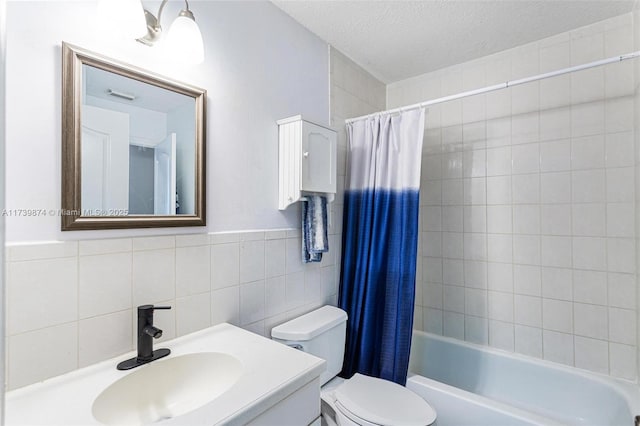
474	385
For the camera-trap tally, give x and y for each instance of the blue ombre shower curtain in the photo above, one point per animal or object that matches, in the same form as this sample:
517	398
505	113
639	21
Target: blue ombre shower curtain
380	242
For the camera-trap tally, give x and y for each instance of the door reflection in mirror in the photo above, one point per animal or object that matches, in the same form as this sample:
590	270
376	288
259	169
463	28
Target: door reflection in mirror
138	147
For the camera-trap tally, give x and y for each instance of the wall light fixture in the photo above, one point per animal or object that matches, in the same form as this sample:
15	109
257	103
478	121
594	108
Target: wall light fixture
183	41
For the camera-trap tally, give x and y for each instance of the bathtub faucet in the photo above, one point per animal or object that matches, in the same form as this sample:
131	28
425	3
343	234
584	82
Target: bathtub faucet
146	333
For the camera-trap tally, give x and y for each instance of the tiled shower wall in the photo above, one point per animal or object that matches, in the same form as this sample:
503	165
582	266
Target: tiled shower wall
354	92
527	202
77	299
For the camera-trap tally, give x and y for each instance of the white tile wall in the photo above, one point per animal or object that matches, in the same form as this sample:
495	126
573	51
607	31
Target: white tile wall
104	283
57	354
41	293
104	336
59	294
528	202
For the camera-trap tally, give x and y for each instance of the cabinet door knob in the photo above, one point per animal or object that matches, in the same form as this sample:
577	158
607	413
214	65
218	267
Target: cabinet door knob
305	154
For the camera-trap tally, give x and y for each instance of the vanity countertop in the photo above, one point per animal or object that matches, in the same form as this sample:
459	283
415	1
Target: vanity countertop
271	372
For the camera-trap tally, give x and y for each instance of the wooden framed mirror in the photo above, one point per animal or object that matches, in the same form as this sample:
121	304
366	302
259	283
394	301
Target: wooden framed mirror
133	146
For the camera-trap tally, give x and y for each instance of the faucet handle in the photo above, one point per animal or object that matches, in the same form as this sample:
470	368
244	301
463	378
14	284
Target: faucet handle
148	308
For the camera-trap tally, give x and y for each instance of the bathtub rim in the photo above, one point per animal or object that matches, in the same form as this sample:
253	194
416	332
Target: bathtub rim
481	400
629	390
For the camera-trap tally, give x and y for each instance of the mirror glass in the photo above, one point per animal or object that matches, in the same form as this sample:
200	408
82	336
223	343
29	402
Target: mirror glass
138	147
133	146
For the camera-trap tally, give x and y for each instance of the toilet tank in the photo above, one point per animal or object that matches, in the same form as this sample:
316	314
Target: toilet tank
321	333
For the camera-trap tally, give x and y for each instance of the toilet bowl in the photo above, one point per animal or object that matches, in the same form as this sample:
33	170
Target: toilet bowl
361	400
369	401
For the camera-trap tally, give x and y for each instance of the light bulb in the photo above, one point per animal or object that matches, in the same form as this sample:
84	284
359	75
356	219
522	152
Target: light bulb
184	40
125	17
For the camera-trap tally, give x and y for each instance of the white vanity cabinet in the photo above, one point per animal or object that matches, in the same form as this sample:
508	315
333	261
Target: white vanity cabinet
307	160
302	407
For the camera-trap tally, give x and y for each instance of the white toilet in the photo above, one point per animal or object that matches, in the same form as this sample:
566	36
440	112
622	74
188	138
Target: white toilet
361	400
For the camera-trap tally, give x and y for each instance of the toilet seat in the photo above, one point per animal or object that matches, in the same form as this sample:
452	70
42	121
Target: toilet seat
371	401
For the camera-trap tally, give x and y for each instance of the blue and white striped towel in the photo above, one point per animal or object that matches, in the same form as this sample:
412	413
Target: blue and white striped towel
314	228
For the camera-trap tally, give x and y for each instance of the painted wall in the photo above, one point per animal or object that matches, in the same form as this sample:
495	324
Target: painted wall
3	38
636	42
527	202
260	66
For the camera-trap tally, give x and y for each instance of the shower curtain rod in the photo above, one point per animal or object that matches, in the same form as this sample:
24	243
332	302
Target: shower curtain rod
504	85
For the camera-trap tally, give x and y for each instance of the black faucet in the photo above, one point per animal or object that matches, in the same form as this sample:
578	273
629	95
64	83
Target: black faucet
146	333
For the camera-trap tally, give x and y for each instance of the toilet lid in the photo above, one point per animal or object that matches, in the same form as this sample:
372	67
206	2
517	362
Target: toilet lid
382	402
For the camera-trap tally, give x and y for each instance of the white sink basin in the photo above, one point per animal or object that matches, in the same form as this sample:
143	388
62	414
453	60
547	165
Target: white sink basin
167	388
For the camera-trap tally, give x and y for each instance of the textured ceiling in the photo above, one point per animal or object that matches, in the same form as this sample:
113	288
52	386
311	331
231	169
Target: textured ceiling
394	40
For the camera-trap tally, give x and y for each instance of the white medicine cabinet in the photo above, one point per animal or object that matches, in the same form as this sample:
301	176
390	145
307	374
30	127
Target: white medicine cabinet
307	160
